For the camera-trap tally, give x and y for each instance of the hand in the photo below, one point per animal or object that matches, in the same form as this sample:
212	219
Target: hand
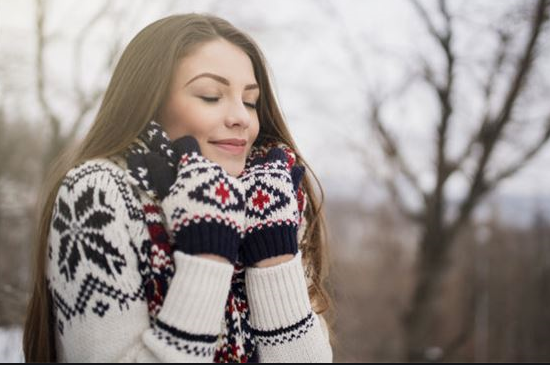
203	204
271	209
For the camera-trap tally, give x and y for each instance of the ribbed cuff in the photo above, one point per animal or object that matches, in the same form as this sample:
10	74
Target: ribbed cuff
277	295
269	242
208	237
195	301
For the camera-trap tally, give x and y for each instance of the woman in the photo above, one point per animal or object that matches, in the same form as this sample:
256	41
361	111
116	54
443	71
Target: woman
179	229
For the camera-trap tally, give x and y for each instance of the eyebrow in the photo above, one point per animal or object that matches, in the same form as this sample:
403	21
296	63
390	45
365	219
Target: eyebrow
221	80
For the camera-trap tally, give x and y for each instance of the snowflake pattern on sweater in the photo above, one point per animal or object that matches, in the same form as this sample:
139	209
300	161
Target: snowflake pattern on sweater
78	228
98	266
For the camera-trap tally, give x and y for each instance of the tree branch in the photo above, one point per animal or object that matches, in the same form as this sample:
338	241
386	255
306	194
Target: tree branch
424	15
391	150
389	183
80	41
436	207
492	130
52	118
532	152
488	89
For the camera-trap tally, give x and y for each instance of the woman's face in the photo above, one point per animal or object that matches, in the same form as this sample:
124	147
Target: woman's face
230	114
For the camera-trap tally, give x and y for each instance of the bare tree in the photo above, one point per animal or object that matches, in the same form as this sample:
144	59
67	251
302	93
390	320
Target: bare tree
477	162
85	101
438	236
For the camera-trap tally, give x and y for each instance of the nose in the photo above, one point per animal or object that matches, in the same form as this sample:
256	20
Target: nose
238	114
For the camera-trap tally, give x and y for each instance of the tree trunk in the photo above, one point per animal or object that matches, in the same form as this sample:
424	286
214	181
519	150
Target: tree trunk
418	321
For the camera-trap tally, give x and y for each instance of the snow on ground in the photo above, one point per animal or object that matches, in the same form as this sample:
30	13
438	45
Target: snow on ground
11	339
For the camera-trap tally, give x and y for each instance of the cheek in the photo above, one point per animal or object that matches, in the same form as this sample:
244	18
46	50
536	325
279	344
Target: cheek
255	128
183	117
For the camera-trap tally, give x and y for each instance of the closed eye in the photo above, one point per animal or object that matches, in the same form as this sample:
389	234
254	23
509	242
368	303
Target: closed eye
209	100
214	100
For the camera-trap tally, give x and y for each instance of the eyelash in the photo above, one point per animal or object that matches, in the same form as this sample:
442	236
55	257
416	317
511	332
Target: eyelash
213	100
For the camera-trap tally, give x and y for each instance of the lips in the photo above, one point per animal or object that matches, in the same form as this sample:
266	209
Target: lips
232	146
231	141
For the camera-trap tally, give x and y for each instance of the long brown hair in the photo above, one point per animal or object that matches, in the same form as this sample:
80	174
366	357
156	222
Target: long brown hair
139	85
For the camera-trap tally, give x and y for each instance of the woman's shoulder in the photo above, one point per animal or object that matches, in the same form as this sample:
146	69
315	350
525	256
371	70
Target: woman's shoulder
104	180
102	170
95	245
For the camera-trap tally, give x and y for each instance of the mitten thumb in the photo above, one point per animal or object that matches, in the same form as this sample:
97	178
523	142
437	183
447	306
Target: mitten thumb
161	174
297	174
185	145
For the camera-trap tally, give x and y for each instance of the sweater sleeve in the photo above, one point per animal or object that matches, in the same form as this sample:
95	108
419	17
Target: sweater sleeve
286	328
96	259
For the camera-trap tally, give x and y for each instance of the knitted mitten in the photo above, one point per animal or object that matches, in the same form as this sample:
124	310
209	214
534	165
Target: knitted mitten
271	210
204	205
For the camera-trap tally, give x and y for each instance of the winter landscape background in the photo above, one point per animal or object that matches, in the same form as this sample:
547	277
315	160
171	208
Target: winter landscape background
333	64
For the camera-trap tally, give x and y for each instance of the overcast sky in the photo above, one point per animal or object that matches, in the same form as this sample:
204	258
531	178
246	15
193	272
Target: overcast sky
319	82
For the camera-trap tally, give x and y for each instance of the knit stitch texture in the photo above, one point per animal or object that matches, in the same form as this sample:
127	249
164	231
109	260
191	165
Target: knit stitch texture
121	292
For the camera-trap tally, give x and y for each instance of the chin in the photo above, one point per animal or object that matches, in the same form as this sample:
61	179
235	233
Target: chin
233	169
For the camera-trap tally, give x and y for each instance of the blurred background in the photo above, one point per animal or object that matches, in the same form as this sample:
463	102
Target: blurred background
426	122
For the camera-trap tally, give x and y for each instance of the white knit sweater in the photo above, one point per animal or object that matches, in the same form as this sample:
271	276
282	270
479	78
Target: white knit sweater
93	270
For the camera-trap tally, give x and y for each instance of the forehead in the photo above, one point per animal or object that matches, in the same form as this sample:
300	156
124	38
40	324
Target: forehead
219	57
